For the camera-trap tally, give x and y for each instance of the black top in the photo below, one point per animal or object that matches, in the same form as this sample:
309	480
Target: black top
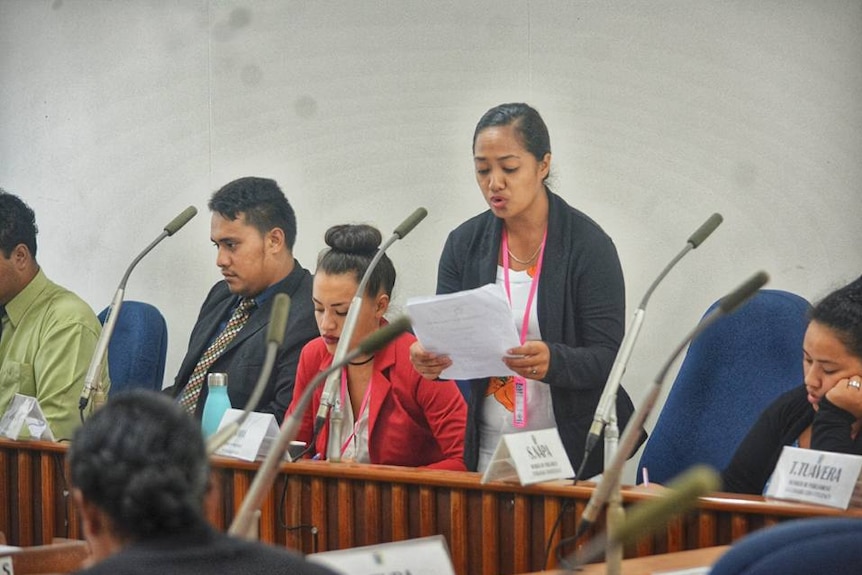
781	424
207	552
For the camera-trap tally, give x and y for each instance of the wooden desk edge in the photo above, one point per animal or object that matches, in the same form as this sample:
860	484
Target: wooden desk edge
647	565
472	480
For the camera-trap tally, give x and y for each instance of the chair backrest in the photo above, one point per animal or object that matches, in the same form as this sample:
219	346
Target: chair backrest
818	545
138	348
730	373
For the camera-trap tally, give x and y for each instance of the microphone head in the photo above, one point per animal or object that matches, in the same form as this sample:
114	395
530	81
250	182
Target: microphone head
175	224
682	494
408	224
738	296
705	230
381	338
278	319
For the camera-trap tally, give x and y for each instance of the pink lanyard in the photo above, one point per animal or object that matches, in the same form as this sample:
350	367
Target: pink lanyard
519	416
362	407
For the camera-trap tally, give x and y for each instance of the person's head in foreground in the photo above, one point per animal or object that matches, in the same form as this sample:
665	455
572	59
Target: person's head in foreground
139	474
139	471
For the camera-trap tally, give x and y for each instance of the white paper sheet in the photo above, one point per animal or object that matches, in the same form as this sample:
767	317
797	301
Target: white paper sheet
473	327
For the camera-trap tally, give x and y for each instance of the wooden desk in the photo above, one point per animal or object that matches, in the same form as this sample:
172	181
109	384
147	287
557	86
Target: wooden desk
665	562
496	529
655	563
60	557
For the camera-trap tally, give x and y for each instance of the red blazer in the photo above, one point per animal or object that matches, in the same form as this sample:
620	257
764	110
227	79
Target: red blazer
412	421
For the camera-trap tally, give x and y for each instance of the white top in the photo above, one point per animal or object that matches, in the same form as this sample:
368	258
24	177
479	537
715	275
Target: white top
496	420
357	448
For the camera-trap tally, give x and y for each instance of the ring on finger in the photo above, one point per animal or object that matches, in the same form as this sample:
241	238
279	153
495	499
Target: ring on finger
533	371
855	384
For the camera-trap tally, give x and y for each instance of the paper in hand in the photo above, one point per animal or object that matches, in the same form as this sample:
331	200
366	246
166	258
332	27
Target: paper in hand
473	327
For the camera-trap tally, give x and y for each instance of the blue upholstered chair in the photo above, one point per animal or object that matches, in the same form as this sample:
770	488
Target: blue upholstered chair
138	347
730	373
830	546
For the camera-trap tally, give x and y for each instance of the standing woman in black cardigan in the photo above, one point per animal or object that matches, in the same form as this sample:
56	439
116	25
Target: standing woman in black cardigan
565	285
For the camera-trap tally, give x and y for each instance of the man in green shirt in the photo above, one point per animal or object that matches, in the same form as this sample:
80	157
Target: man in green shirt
47	333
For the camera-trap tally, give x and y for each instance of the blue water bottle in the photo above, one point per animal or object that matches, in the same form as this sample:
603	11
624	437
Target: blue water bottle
217	403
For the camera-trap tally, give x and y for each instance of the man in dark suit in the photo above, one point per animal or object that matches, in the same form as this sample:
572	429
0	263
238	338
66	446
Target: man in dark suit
254	229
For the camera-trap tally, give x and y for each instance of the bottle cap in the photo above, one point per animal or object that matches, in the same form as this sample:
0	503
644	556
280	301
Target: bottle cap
217	379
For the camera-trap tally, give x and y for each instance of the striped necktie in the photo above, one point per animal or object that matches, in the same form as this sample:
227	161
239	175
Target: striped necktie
192	391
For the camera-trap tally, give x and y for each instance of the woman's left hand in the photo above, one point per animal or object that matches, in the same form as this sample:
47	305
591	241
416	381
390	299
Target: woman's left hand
847	394
530	360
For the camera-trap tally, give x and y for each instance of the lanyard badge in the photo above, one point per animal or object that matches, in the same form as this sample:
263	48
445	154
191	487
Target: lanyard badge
519	414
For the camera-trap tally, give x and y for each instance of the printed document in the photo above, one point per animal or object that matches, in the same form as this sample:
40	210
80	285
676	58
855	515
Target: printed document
473	327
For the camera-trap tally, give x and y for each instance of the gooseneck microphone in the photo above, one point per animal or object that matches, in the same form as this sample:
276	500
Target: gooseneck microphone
173	227
329	399
274	338
610	477
606	409
705	230
263	479
92	380
648	516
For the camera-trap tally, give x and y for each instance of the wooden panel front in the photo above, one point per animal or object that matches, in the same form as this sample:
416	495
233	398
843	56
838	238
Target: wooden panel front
315	506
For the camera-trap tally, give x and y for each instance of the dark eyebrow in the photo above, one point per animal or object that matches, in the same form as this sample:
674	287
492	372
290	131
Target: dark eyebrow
824	361
500	159
339	304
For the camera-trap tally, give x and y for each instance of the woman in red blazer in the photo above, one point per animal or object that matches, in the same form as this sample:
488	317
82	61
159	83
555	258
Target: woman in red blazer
392	415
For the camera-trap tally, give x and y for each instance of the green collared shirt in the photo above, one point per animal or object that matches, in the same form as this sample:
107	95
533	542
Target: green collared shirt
48	339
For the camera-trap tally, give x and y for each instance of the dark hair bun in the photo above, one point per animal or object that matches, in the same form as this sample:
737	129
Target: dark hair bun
359	239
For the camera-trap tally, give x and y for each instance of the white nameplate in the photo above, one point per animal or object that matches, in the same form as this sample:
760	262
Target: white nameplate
25	410
6	565
253	439
423	556
811	476
530	457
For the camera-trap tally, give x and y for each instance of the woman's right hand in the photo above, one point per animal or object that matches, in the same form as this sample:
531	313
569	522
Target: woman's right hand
847	394
429	365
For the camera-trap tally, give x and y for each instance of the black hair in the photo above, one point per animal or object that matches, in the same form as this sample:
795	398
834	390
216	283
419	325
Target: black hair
263	203
141	459
529	127
841	311
351	249
17	224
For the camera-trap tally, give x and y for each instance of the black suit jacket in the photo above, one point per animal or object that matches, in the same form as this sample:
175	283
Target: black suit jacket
202	550
244	356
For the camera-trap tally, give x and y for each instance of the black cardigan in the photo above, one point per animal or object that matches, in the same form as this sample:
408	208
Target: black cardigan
581	309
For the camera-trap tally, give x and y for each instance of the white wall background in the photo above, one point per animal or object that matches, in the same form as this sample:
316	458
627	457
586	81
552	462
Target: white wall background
116	115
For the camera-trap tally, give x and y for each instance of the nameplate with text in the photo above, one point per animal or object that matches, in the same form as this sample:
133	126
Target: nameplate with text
818	477
423	556
253	439
529	457
25	410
